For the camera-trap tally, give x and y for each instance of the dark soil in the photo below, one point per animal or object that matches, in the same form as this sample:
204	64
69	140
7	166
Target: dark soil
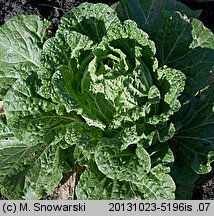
53	10
204	187
49	9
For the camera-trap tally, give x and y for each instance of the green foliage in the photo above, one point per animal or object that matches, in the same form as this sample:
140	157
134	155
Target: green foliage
126	93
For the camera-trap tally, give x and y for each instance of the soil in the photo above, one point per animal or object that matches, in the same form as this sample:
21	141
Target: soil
204	187
53	10
49	9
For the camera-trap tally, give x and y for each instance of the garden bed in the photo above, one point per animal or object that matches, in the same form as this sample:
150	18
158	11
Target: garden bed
53	10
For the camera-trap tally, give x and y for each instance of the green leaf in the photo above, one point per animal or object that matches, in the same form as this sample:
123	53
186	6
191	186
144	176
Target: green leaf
148	12
93	20
21	41
197	62
122	165
194	142
184	192
29	114
27	167
188	48
135	108
84	136
158	184
94	185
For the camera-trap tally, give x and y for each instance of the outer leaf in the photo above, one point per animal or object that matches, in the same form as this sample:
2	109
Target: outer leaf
195	138
30	114
184	192
149	11
27	168
28	175
182	172
197	62
9	147
21	40
158	18
44	174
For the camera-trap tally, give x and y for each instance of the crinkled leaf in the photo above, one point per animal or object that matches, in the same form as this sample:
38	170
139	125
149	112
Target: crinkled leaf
93	20
29	169
37	117
171	84
31	163
158	184
98	100
84	136
94	185
104	95
122	165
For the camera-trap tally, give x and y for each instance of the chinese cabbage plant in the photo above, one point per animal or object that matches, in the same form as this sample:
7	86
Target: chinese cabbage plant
125	92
